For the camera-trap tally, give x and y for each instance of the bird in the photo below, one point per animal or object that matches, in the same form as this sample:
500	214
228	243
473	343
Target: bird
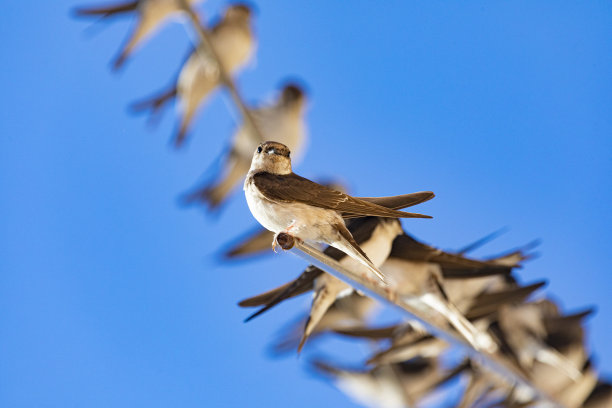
391	385
525	331
284	202
282	120
152	14
346	311
234	43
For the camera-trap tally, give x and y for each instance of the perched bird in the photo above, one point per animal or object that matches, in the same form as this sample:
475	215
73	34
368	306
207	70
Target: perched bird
282	201
346	311
525	331
152	14
418	272
282	121
233	41
404	384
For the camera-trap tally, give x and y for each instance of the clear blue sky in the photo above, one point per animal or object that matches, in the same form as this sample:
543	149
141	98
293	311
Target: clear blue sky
109	295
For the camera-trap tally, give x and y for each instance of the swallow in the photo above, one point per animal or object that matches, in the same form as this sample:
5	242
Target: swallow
283	121
525	331
233	42
393	385
565	341
152	14
284	202
417	272
346	311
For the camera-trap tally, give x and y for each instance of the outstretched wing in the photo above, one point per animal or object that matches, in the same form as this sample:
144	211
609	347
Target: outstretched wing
289	188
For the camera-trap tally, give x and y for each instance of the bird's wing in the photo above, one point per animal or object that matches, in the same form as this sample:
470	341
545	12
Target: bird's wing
106	11
252	245
289	188
301	284
400	201
489	303
264	298
377	333
408	248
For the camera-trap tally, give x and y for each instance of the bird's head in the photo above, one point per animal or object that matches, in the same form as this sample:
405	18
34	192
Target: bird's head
293	94
272	157
238	13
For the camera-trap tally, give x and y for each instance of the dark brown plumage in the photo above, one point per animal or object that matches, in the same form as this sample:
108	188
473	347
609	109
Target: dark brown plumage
291	188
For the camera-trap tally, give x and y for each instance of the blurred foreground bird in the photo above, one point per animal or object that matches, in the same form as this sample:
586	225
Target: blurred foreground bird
525	331
282	121
233	42
397	385
284	202
151	15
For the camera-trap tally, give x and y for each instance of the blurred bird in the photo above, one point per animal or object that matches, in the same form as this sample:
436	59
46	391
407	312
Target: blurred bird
416	272
525	331
346	311
565	341
282	121
233	42
152	14
284	202
403	384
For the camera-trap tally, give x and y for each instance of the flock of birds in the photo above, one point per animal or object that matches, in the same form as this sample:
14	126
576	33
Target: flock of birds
480	300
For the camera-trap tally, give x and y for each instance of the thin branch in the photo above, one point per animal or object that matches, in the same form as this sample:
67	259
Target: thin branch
224	76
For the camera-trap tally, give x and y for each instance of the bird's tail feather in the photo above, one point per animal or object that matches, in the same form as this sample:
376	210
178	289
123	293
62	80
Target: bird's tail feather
156	102
107	11
325	296
352	248
218	190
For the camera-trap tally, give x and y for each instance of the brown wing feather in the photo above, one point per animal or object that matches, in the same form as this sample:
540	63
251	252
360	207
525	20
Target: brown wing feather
291	188
400	201
106	11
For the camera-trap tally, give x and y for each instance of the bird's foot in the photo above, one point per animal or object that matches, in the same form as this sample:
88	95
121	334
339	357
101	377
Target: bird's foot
285	240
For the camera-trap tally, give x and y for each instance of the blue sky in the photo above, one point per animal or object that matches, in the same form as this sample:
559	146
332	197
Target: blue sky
109	290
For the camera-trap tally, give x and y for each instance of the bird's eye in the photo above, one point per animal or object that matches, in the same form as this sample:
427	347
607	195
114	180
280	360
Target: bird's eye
259	149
